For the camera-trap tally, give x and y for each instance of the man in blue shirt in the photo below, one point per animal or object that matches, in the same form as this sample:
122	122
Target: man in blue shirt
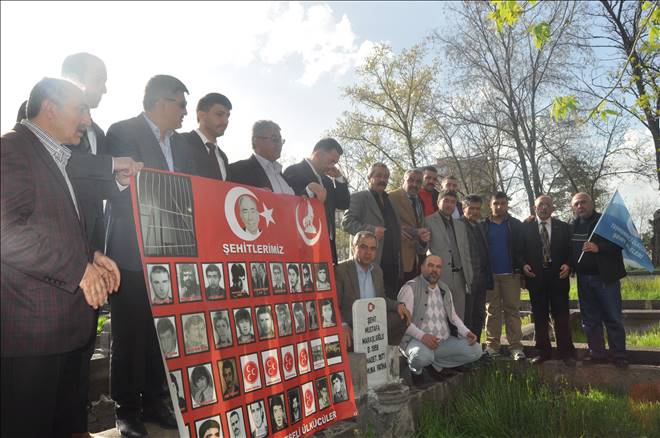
359	277
503	234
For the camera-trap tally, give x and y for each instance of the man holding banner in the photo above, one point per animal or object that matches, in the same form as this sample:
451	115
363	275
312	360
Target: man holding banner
598	263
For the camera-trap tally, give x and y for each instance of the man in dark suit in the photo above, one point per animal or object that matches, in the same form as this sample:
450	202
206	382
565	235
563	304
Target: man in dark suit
262	169
213	112
51	280
137	374
321	168
546	265
359	277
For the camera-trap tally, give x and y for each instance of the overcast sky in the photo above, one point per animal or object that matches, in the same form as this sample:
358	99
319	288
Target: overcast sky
281	61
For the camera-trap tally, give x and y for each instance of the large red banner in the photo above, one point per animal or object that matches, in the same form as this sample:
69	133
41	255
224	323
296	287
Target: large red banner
243	297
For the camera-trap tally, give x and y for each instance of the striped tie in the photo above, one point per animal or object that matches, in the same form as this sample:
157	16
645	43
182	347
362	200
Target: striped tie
545	240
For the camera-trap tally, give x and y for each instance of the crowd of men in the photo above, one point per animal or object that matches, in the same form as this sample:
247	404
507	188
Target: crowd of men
443	271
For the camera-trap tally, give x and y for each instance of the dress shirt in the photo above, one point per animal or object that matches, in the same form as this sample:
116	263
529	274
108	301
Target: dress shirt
218	157
165	144
91	136
273	171
59	153
365	281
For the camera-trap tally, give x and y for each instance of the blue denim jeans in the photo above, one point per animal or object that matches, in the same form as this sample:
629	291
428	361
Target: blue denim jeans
600	304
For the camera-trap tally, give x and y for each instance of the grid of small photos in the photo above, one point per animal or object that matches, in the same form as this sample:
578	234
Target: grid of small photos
255	344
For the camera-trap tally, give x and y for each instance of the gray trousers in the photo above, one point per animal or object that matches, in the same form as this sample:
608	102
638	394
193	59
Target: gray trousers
456	283
452	352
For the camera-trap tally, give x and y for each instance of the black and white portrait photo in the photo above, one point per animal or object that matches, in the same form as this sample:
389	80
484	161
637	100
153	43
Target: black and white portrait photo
259	278
322	394
295	409
312	316
327	313
322	277
189	289
258	420
202	387
222	336
176	385
338	382
194	333
214	281
284	326
160	284
307	282
238	278
293	275
210	427
244	327
166	331
277	278
236	423
299	317
228	378
265	322
277	412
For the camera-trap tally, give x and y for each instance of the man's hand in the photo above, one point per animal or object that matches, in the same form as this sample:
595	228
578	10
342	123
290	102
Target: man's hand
348	336
430	341
527	270
334	172
379	232
94	286
471	338
126	166
564	270
590	247
319	191
424	234
403	312
109	270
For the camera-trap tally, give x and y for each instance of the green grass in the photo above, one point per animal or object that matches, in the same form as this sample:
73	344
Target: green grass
649	338
632	288
501	404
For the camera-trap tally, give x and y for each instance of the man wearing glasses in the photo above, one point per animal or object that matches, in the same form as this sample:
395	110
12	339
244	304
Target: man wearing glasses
137	372
262	169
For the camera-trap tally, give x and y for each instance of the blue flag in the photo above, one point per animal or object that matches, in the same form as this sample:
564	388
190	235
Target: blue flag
616	226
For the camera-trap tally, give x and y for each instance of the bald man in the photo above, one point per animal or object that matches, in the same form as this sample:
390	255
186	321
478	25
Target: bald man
599	273
546	258
436	337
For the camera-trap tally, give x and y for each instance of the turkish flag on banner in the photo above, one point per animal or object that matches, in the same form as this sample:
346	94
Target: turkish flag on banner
243	297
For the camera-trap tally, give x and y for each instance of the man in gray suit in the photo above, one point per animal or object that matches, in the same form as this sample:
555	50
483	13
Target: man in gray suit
358	278
371	210
449	240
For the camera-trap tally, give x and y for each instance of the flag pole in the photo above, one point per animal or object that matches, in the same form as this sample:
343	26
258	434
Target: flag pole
599	219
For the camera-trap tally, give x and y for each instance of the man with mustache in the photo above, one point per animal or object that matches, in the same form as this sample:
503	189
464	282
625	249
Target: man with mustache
213	111
371	210
52	279
137	373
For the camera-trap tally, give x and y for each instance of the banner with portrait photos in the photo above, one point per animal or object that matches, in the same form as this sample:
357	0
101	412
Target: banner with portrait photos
242	292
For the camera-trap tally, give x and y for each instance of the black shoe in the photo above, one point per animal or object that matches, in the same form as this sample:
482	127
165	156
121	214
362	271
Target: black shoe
461	369
620	363
441	376
162	415
569	362
588	361
131	427
539	359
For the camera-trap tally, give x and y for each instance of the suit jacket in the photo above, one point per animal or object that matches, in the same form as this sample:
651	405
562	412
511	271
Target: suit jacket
301	174
348	288
250	172
404	210
560	253
440	245
94	181
44	254
200	156
134	138
364	214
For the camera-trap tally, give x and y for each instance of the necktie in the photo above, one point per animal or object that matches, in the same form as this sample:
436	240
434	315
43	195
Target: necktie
84	145
214	160
545	240
417	207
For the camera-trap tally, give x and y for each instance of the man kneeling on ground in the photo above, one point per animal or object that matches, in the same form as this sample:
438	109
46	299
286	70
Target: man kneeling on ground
436	336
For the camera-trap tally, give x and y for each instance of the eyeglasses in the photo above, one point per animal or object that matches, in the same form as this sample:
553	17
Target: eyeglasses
183	104
272	139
